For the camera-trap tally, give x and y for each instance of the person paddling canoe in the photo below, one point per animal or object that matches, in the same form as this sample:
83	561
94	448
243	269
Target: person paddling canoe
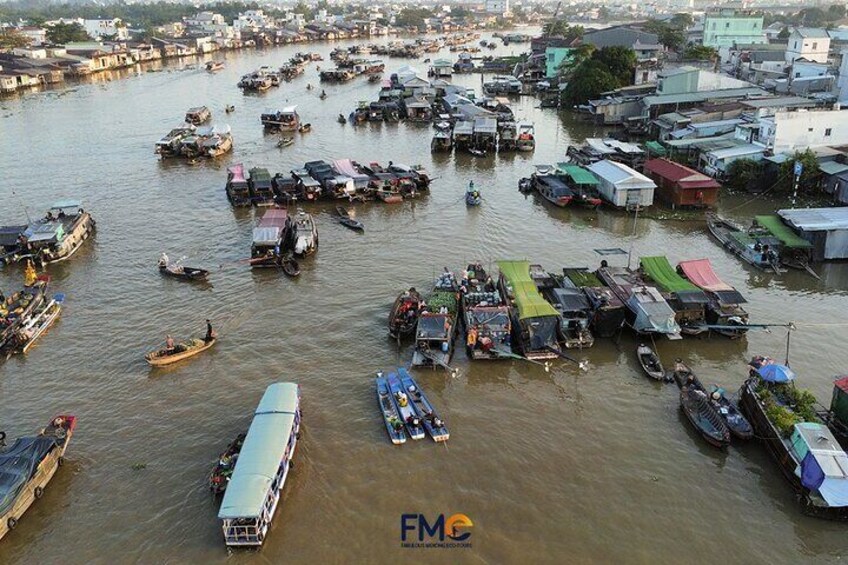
210	334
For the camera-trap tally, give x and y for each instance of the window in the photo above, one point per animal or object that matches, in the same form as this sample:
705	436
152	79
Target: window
796	46
827	132
714	25
727	25
815	45
809	130
755	25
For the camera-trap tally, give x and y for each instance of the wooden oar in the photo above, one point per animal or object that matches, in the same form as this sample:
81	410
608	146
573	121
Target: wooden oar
510	355
583	365
811	271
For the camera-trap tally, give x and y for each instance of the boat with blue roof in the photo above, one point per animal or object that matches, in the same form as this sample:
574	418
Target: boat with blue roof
263	464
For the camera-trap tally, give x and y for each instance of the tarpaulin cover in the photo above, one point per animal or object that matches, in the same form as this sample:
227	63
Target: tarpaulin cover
824	464
782	232
527	298
662	273
18	463
701	273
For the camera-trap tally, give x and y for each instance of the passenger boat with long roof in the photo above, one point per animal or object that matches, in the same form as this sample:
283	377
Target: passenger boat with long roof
261	187
270	238
286	119
572	304
804	449
58	235
647	311
724	309
535	323
263	464
28	465
687	300
551	187
793	251
198	115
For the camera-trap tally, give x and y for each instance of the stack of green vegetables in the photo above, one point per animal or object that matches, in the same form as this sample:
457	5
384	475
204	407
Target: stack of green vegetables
796	405
440	299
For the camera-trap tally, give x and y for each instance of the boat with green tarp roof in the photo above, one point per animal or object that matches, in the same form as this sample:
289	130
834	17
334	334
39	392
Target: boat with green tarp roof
535	323
582	182
794	251
687	300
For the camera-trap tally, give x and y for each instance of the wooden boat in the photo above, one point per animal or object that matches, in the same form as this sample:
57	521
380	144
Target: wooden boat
437	325
213	66
405	408
434	425
485	315
725	313
650	362
263	464
347	221
391	417
18	308
197	116
40	322
305	128
472	196
608	311
304	234
758	250
223	470
404	314
759	395
476	152
290	266
28	465
58	235
720	404
341	119
182	351
535	323
180	272
285	142
573	306
703	418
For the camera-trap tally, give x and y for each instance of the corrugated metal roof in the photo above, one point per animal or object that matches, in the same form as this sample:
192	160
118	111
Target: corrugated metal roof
816	219
738	151
832	167
700	96
616	173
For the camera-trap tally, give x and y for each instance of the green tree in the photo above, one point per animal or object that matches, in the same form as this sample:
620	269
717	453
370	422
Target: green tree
743	174
784	33
835	12
579	54
670	36
11	38
620	62
412	17
588	81
64	33
699	53
812	17
561	28
810	175
682	21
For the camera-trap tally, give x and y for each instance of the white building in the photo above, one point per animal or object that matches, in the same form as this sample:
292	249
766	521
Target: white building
811	44
786	132
202	20
843	77
497	7
251	20
36	35
97	29
621	186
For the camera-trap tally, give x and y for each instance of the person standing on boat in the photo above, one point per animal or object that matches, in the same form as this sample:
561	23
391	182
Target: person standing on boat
169	345
210	335
164	260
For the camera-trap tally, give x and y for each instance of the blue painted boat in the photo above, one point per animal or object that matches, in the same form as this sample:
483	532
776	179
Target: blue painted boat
431	421
394	425
404	406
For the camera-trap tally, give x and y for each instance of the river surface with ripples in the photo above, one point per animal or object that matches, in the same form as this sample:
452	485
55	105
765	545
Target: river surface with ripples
566	466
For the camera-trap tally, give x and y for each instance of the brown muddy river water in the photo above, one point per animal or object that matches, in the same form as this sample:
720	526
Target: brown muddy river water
566	466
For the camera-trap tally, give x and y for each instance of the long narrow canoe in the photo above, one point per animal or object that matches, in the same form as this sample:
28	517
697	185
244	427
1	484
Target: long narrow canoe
191	347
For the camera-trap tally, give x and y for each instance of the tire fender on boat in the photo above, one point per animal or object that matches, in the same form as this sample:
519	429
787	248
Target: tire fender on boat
38	492
11	523
61	461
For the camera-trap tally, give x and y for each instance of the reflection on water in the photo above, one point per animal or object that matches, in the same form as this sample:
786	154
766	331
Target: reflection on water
594	452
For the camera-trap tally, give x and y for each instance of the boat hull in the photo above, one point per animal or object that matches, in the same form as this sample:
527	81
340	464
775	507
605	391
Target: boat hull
786	462
155	360
38	482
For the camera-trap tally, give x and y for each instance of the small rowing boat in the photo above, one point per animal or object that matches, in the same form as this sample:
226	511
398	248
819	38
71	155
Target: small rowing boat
285	142
404	407
394	425
182	351
703	418
40	323
347	221
180	272
650	362
472	195
736	423
290	267
225	466
432	423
